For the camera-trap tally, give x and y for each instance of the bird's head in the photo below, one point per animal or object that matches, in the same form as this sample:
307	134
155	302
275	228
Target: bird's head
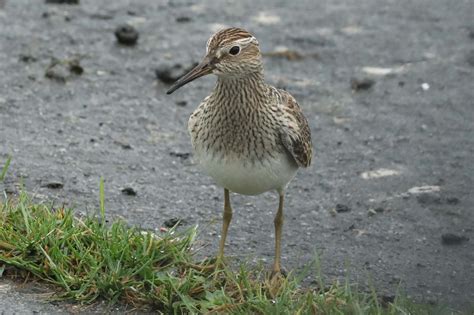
232	52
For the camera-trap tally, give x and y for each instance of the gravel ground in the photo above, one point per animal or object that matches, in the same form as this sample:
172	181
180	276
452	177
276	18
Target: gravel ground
386	87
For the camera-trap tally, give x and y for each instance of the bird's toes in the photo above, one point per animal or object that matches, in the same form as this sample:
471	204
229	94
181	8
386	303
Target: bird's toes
278	273
208	265
275	282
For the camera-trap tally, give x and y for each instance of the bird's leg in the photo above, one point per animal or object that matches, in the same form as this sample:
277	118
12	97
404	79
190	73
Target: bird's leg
278	221
225	224
225	227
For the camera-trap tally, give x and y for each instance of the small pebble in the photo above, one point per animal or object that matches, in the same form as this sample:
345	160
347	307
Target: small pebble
173	222
453	239
425	86
183	19
170	73
129	191
181	155
27	58
181	103
75	67
54	185
342	208
361	84
126	35
123	144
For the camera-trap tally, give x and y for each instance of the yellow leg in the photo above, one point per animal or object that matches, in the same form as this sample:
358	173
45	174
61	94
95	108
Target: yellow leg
225	224
278	226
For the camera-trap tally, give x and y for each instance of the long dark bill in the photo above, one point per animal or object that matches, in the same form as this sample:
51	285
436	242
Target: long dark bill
200	70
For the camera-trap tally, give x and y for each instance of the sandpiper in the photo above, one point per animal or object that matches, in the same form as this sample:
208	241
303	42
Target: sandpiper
250	137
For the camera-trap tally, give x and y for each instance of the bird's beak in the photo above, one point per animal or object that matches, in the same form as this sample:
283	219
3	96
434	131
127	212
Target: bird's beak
202	69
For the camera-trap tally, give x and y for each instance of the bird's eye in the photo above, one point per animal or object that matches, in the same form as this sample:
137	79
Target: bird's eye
234	50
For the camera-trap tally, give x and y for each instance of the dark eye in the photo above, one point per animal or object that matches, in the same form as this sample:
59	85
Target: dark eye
234	50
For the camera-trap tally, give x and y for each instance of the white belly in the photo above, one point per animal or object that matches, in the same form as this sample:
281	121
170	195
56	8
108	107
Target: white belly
249	178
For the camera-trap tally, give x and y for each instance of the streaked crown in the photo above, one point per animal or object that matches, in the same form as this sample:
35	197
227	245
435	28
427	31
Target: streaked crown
230	35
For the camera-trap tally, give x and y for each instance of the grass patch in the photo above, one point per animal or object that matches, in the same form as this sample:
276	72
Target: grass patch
89	260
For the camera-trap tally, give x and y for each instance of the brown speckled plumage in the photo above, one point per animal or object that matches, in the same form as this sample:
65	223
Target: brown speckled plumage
249	136
260	121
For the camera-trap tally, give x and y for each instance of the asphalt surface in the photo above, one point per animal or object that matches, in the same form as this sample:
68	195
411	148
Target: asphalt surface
387	87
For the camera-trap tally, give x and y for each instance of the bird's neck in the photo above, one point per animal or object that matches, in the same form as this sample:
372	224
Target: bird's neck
248	90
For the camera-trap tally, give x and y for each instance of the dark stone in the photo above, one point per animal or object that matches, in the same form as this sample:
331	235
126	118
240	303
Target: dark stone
63	1
173	222
342	208
124	145
75	67
350	228
54	185
181	103
27	58
379	209
181	155
183	19
361	84
126	35
129	191
453	239
169	74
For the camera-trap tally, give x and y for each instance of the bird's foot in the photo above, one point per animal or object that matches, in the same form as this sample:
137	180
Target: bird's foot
275	281
208	265
278	272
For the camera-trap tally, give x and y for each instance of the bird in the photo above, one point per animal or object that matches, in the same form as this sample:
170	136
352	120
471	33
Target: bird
249	136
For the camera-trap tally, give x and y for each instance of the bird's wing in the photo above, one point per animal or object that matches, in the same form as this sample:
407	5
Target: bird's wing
295	133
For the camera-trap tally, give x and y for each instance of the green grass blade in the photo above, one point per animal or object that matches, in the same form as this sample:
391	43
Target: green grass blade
5	169
102	200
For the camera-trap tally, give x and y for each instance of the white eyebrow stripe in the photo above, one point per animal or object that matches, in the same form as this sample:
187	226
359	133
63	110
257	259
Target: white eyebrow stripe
208	42
246	41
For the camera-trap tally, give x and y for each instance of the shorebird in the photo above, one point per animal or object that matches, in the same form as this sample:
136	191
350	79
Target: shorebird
250	137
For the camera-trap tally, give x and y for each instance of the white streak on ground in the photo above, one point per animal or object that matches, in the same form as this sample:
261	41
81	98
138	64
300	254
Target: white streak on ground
424	189
381	172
